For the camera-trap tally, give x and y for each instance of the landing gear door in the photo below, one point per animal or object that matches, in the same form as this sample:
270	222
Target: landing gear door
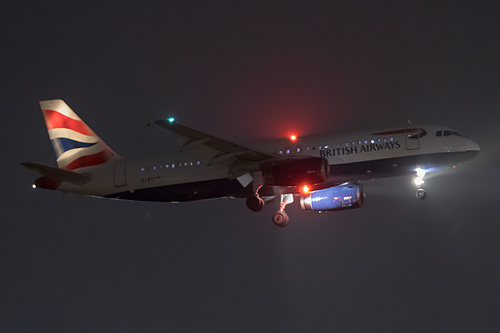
412	138
119	175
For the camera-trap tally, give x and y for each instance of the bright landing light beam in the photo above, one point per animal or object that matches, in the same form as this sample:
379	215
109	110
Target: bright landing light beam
420	176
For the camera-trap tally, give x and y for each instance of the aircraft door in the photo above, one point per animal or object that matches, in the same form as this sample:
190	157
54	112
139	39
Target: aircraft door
412	138
119	173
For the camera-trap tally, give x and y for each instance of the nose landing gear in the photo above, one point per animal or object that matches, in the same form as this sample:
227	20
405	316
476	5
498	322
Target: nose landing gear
421	194
419	180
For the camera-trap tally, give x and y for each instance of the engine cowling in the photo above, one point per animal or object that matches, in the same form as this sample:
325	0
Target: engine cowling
340	197
297	172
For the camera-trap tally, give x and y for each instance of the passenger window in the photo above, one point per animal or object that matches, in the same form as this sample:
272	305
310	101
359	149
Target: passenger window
439	133
446	133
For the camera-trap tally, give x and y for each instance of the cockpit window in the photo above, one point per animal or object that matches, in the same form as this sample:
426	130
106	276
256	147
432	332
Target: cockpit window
447	133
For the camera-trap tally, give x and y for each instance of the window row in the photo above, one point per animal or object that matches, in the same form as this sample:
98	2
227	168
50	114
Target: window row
298	149
171	166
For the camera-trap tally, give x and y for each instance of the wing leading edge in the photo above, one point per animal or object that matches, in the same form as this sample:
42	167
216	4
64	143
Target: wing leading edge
197	138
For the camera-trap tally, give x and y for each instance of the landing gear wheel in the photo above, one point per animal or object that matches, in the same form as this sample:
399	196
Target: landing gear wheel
421	194
280	218
255	203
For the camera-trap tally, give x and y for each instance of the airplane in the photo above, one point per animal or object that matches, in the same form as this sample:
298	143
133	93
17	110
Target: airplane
323	172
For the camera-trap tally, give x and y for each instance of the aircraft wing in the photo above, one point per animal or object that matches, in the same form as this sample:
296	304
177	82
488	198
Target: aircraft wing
228	150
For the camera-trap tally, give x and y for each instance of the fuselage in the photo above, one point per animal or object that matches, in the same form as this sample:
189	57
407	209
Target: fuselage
352	157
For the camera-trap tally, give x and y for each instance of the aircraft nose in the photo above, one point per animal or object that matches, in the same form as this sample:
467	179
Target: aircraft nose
472	146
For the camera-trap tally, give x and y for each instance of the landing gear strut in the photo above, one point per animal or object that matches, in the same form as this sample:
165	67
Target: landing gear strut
421	194
280	218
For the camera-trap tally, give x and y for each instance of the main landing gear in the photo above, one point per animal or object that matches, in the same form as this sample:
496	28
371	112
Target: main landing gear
419	180
255	203
280	218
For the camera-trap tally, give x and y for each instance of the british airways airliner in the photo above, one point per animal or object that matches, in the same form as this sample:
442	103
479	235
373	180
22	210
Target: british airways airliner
322	172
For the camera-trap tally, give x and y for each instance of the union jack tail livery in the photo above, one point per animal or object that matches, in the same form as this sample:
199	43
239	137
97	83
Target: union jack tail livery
75	144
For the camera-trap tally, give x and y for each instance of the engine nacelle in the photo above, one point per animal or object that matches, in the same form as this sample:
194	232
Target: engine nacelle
297	172
334	198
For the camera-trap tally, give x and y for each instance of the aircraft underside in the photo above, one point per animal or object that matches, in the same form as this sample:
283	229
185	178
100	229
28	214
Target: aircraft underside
339	173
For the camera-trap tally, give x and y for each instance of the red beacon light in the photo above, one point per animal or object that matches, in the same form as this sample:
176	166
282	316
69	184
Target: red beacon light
305	189
293	138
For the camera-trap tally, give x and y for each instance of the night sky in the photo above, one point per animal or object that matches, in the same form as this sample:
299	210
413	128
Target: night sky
250	71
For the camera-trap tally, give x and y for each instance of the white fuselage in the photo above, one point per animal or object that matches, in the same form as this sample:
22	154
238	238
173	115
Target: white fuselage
344	152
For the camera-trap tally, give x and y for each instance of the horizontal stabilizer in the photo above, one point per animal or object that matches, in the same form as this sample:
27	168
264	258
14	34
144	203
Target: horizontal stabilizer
58	174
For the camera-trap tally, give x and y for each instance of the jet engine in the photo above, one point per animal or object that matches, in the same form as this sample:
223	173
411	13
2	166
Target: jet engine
297	172
346	196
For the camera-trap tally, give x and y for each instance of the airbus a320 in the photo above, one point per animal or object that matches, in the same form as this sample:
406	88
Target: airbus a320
322	172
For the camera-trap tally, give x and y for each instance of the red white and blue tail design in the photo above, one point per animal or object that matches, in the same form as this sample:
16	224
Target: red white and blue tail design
75	144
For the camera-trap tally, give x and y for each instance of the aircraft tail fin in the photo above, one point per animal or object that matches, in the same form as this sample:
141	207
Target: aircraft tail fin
75	144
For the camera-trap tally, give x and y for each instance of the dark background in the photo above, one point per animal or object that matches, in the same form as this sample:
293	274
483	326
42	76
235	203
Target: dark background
248	71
